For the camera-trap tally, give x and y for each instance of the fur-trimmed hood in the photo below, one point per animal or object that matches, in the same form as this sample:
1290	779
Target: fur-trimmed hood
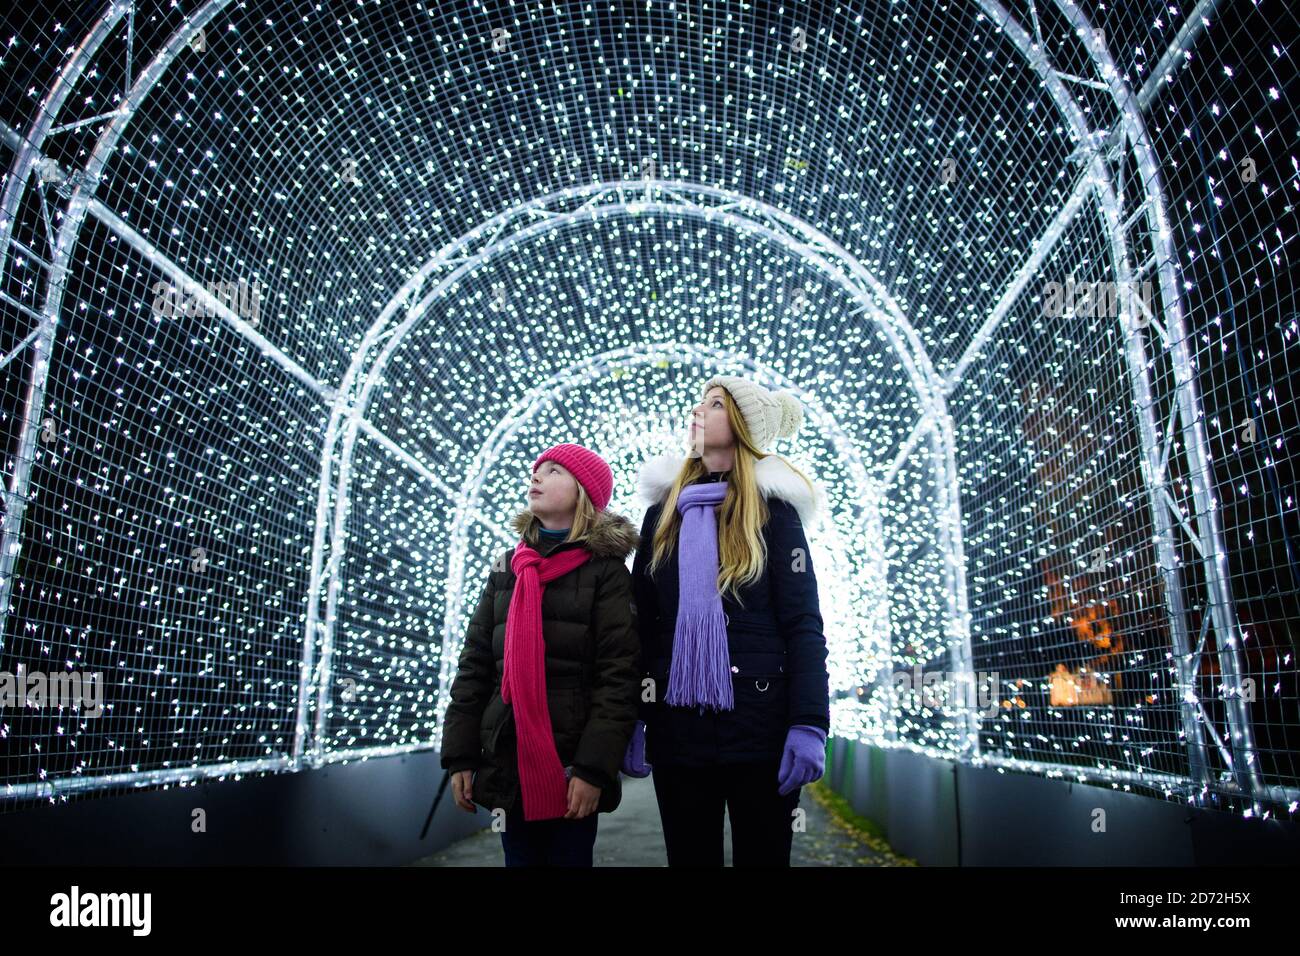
612	535
773	473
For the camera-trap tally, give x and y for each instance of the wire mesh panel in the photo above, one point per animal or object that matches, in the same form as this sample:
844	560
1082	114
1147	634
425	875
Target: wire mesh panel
168	515
1224	129
1067	606
294	293
907	709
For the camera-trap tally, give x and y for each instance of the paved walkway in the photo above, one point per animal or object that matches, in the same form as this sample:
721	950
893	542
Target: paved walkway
631	836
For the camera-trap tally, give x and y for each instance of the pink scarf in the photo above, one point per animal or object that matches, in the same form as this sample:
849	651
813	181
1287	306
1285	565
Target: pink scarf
542	783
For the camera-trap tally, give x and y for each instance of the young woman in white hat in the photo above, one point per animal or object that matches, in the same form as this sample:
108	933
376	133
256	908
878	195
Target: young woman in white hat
734	710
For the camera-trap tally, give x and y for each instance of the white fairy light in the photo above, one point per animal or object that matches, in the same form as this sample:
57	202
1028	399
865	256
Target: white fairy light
472	237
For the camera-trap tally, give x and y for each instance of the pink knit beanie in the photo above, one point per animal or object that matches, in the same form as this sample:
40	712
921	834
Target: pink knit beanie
590	470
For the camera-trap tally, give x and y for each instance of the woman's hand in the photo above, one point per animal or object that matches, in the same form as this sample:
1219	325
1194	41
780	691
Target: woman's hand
462	788
583	798
804	758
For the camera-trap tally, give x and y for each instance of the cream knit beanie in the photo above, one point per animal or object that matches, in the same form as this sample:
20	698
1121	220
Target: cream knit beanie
768	415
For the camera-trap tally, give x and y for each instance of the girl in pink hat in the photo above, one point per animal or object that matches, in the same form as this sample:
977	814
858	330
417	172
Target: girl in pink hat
545	698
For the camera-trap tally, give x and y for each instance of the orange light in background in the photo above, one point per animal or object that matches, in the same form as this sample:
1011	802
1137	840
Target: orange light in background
1090	624
1074	690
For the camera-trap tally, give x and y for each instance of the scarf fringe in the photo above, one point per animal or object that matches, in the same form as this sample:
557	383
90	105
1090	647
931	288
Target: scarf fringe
701	672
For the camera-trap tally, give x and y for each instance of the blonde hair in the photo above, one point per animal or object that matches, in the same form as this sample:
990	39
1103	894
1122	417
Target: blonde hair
584	519
742	551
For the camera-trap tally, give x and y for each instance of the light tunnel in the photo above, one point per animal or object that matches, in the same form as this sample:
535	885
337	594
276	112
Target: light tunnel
293	293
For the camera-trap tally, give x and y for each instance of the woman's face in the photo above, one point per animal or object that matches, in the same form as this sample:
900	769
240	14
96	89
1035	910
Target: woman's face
553	490
710	427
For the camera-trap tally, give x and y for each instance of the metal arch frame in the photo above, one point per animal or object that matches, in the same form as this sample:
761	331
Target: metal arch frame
30	149
1165	515
596	366
1098	180
81	202
81	199
28	152
598	201
1207	533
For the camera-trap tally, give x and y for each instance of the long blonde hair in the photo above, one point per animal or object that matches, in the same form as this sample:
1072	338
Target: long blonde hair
584	519
742	551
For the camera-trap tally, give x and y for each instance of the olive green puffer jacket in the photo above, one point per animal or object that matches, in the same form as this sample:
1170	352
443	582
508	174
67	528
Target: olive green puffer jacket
592	670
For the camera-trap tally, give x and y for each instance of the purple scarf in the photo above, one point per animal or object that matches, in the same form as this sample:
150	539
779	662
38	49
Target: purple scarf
701	667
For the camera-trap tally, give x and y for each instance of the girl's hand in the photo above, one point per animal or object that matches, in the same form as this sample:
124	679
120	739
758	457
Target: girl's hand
583	798
462	789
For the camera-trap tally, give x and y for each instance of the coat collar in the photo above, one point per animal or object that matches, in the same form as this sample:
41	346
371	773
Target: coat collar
774	475
612	535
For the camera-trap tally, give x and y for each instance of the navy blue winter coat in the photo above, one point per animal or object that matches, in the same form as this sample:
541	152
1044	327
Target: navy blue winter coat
775	641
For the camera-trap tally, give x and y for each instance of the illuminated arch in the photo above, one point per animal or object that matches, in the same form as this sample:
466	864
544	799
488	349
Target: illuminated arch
348	401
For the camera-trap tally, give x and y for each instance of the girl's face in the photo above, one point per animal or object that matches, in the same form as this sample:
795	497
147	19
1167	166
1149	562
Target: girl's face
710	428
553	491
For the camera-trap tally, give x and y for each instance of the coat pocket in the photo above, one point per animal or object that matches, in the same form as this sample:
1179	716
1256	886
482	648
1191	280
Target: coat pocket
757	726
563	705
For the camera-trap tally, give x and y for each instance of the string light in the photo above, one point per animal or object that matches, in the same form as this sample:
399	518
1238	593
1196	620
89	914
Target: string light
328	277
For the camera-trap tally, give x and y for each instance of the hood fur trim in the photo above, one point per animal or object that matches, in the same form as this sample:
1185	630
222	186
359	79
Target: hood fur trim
774	475
612	535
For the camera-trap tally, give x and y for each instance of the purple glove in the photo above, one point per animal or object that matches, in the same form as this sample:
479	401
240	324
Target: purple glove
634	764
804	759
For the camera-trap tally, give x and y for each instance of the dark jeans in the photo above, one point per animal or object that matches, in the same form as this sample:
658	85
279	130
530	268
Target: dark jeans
556	842
691	803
